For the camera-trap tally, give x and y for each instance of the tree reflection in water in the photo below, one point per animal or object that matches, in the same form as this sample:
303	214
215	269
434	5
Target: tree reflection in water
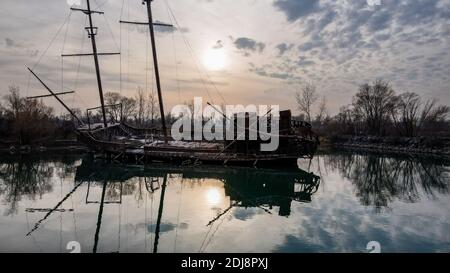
30	176
380	179
244	195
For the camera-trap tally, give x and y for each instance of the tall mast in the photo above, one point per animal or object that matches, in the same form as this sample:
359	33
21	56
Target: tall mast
92	32
155	62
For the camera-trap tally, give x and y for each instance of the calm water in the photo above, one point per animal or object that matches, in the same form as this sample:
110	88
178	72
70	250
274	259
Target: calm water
337	202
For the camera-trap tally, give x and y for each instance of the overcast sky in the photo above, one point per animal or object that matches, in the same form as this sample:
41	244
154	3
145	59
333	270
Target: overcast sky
254	51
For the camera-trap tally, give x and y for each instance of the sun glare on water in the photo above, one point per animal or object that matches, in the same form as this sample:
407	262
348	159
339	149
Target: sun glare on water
213	196
214	59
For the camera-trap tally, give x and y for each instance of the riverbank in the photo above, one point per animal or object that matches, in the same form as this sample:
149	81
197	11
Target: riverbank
427	146
65	145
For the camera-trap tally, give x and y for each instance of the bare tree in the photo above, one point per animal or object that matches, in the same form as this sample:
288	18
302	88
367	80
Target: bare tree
140	107
432	114
30	119
113	98
128	106
406	114
14	103
375	103
306	99
323	110
152	108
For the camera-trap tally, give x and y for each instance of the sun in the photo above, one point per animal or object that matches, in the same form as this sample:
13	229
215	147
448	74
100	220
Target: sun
214	59
213	196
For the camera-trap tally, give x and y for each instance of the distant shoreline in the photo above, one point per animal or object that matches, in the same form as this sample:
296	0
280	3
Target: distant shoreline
71	145
438	147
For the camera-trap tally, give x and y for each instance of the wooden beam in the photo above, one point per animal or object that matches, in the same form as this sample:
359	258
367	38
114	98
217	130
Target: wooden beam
56	97
145	23
85	11
99	107
46	96
89	54
133	23
162	25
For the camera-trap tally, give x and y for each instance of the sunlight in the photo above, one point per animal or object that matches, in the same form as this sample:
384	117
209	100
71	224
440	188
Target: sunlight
213	196
214	59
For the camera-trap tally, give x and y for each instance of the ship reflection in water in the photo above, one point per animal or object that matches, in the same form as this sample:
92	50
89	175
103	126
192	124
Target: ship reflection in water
339	204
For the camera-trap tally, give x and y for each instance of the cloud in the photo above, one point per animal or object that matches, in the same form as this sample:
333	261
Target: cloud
280	73
334	42
12	43
295	9
218	45
248	45
283	47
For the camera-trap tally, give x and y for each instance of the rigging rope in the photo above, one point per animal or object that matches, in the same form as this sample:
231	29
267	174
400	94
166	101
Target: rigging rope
47	48
120	216
74	220
212	235
128	49
108	26
178	215
145	218
77	75
146	63
151	220
120	48
192	52
62	59
100	5
175	60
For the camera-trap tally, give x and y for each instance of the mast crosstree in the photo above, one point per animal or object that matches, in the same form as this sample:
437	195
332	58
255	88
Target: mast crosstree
151	25
92	32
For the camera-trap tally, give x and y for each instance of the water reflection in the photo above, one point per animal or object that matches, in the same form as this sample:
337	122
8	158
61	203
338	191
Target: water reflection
380	179
264	189
162	208
25	176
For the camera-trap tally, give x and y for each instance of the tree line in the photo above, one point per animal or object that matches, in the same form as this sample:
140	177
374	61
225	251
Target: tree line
28	121
376	110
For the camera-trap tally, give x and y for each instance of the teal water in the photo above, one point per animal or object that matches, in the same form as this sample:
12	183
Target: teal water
337	202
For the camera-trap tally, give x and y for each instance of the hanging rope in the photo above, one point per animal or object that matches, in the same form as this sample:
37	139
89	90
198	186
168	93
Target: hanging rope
108	26
62	59
145	219
193	55
212	235
178	215
47	48
101	5
77	73
175	59
120	48
146	63
151	221
74	220
128	48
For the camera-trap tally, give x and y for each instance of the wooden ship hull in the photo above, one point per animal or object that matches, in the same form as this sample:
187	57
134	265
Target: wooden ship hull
122	143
